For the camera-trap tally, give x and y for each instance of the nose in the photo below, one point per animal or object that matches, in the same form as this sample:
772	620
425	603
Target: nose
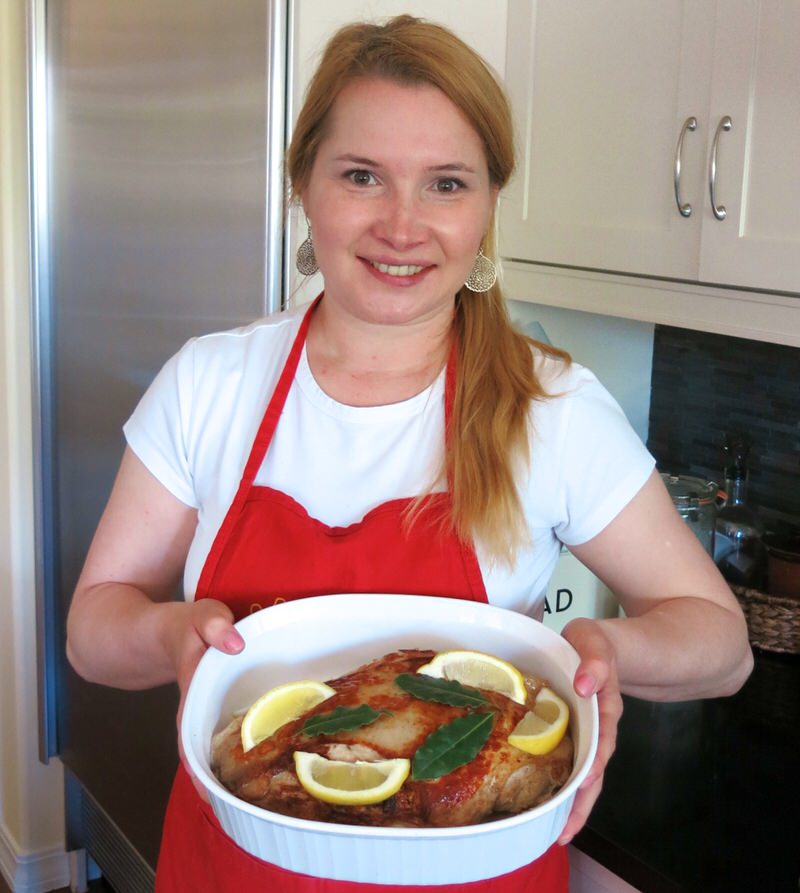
401	224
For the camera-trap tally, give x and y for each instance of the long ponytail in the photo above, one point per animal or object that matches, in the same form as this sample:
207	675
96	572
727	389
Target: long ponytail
488	442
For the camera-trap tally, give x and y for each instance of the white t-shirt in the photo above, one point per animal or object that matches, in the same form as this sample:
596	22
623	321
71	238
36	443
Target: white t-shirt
194	428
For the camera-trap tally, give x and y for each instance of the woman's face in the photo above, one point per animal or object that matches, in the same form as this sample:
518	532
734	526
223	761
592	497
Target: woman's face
398	200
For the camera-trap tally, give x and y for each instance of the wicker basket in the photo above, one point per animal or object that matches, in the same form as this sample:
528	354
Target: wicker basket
773	620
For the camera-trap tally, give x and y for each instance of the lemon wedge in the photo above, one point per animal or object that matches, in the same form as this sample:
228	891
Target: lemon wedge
279	706
478	670
350	784
541	729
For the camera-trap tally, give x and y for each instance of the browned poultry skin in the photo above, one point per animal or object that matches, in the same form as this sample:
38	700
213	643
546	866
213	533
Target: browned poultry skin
501	780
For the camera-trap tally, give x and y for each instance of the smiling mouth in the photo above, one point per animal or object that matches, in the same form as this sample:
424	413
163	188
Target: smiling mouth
397	270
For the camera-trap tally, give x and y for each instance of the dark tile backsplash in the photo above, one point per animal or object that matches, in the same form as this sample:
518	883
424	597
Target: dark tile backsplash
704	385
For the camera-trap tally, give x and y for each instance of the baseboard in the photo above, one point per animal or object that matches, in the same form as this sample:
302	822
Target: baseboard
37	872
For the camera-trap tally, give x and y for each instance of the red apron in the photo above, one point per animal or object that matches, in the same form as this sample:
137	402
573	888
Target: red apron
269	549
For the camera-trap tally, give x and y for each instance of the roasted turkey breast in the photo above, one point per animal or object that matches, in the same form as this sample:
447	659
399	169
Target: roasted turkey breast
499	781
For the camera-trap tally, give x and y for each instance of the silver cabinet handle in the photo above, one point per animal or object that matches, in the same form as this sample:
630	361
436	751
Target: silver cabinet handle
685	209
720	211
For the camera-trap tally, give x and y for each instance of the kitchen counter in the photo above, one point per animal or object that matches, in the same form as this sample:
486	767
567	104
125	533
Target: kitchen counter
704	796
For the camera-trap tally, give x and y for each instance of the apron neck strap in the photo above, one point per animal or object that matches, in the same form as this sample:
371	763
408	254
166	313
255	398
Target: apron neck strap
270	421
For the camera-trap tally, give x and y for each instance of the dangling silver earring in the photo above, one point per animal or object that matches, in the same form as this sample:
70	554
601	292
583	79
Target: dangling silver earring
306	260
483	275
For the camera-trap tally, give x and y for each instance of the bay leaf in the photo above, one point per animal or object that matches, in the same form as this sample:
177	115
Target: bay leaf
443	691
342	719
451	746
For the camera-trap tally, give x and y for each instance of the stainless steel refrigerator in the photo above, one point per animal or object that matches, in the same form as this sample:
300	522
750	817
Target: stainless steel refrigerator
157	133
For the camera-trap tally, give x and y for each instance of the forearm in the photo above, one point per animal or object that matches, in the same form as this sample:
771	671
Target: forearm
681	649
118	636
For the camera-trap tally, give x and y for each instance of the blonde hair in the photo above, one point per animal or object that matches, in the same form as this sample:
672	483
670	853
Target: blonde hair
487	441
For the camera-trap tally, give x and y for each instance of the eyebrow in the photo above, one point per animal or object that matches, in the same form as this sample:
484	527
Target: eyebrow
368	162
453	166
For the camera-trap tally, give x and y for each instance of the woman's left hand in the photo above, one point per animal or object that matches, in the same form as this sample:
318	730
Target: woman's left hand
596	674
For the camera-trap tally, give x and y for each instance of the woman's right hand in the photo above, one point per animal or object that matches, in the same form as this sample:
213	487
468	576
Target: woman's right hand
194	628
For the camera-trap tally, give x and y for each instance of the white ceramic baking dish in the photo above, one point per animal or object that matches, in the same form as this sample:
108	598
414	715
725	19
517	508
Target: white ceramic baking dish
324	637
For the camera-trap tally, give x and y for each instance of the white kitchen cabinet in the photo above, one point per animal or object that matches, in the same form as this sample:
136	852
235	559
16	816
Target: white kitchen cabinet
756	81
602	92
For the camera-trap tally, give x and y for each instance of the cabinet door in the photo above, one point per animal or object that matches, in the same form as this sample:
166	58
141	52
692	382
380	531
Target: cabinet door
601	91
756	82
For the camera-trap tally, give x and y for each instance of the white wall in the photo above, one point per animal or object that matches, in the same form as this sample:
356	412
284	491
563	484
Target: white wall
618	351
32	855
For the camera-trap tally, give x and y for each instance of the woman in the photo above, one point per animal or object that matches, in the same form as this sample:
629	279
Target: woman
404	408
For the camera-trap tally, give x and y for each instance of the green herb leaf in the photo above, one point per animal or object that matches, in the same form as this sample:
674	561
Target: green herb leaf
443	691
342	719
452	746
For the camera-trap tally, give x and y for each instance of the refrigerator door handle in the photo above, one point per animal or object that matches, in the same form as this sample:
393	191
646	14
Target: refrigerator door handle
277	126
42	396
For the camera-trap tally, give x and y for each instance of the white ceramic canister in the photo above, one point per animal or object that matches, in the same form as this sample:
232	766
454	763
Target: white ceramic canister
574	591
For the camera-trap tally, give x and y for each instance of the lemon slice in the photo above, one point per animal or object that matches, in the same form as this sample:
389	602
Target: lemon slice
350	784
478	670
279	706
541	729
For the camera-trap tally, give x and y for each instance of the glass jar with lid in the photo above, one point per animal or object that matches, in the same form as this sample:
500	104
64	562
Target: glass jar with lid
696	501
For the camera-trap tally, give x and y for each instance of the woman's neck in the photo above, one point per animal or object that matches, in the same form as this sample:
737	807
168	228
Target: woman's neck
362	364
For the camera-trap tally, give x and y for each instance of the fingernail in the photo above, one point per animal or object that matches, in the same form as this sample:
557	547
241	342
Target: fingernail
563	841
585	684
233	643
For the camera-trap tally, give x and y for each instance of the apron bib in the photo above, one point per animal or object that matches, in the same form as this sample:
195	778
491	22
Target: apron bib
268	550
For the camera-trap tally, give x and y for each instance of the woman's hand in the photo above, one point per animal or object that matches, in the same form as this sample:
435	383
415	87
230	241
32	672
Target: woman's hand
200	625
596	674
195	627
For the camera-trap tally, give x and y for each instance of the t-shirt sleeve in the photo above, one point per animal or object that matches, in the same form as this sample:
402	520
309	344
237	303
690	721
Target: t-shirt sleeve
603	461
156	431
